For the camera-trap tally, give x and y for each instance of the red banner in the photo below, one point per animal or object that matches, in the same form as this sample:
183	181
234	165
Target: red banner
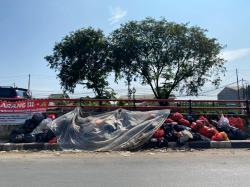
16	112
23	106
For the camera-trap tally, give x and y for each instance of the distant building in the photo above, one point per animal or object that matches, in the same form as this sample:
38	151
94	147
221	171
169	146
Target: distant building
58	96
231	93
146	96
149	96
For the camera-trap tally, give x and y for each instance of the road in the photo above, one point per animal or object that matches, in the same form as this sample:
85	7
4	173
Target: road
229	167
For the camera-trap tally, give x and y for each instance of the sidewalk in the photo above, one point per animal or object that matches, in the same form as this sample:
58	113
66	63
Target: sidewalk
194	145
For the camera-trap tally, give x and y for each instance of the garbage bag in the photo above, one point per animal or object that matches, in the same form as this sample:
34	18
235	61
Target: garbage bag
42	127
22	138
45	136
117	130
23	134
30	124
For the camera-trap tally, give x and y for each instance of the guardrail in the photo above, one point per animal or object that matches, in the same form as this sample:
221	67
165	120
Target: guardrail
184	106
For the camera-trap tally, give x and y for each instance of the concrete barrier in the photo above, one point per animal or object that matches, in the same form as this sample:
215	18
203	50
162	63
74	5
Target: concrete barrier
29	146
195	145
222	144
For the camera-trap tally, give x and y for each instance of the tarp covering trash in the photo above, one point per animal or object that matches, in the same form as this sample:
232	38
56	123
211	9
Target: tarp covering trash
117	130
127	130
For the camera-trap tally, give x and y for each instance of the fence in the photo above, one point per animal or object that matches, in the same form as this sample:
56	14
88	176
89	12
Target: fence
240	107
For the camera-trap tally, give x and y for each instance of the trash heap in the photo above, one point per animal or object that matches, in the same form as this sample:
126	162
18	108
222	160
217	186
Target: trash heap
181	130
116	130
126	130
35	129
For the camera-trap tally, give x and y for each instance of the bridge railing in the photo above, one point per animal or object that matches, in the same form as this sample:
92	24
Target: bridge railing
240	107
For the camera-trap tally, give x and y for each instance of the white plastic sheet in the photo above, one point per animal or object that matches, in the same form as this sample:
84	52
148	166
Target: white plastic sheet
117	130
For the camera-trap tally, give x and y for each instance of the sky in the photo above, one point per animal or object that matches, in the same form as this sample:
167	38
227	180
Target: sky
29	30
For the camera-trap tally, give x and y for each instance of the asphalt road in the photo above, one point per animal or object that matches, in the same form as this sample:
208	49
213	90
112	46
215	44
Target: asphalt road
197	168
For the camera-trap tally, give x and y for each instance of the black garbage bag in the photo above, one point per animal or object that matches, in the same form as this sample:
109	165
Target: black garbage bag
29	138
14	138
179	128
30	124
199	137
44	136
236	134
169	132
22	138
156	143
23	133
233	133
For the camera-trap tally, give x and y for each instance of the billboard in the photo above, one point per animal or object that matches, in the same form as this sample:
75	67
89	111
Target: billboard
16	112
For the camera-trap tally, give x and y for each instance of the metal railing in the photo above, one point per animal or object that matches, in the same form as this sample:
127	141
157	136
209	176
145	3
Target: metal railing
180	105
184	106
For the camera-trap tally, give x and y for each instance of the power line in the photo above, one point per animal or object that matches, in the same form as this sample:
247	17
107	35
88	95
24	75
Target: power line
13	76
218	88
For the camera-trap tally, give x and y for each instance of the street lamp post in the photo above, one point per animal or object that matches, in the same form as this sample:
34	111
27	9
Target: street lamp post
129	95
133	91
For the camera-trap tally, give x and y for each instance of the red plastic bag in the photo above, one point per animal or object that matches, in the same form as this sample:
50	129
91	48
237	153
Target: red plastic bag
184	122
159	133
237	122
53	140
177	116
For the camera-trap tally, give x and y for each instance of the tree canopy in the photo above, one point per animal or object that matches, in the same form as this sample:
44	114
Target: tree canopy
166	56
82	58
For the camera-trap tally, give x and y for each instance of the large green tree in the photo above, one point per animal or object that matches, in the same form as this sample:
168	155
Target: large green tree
82	58
166	56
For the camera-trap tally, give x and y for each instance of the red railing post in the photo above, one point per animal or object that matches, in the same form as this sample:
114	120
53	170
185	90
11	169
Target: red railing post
247	108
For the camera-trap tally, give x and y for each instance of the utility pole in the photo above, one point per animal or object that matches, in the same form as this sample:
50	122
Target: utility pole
29	83
29	92
243	89
129	89
247	91
238	84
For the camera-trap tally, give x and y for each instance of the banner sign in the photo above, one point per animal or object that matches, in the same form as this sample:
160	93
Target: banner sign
16	112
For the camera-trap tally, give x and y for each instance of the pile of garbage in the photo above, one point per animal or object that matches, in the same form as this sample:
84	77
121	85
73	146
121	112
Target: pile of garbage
181	130
36	129
117	130
126	130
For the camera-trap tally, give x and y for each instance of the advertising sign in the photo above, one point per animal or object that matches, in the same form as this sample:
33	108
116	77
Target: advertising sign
16	112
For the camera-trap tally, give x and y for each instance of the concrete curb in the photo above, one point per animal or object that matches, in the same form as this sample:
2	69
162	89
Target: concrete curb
29	146
215	144
194	145
221	144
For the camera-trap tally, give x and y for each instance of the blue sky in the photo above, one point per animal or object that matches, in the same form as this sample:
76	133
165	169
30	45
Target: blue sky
29	30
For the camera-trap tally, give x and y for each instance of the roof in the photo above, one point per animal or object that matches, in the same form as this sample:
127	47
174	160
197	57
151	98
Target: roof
149	96
58	96
234	87
11	87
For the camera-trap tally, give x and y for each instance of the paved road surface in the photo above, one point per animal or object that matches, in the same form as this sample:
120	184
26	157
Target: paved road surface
198	168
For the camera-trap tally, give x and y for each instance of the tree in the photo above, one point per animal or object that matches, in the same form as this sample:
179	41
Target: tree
166	56
82	58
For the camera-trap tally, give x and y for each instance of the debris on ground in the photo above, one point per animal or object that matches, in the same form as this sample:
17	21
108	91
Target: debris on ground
124	130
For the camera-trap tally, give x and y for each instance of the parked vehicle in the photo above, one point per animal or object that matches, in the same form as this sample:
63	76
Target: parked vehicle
13	92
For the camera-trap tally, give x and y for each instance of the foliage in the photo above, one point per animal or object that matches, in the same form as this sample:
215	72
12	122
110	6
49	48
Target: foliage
59	96
81	58
166	56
